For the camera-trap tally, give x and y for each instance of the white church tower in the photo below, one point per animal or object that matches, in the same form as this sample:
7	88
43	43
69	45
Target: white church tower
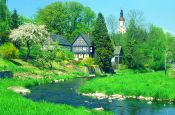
121	27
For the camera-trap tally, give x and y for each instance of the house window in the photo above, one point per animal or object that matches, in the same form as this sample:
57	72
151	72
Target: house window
85	49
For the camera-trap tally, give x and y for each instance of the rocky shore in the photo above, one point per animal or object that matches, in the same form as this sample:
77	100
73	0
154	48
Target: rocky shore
122	97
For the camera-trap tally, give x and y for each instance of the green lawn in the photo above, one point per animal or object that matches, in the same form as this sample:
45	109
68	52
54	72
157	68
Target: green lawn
153	84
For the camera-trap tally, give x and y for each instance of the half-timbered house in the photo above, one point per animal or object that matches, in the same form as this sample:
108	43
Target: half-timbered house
82	47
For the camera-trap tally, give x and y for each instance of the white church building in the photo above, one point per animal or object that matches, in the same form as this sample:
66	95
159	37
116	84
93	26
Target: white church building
121	26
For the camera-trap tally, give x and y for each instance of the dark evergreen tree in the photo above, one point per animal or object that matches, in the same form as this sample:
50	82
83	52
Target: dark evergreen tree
5	21
15	19
5	18
103	45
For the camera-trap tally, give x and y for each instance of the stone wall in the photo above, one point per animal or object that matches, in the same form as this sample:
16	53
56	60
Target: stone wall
6	74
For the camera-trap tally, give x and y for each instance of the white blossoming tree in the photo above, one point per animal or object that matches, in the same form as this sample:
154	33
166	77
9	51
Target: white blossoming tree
28	35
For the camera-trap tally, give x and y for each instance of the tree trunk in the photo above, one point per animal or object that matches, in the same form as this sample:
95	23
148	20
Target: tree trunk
28	51
51	67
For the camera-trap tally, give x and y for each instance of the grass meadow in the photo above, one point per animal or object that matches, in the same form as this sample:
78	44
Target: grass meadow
153	84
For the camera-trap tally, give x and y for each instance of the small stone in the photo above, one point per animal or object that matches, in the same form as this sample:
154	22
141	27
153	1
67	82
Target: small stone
99	109
141	98
56	81
121	99
86	101
110	101
149	102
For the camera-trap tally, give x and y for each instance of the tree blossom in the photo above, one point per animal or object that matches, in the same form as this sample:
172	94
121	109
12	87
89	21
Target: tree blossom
30	34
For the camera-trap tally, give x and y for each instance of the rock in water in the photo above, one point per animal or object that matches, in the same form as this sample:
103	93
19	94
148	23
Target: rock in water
99	109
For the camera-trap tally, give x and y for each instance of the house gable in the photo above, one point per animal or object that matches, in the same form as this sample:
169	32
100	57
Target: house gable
80	41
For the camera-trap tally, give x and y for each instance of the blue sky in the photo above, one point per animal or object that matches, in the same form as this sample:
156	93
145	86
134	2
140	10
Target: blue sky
157	12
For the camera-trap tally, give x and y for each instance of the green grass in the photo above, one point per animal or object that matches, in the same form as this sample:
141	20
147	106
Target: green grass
14	104
28	70
153	84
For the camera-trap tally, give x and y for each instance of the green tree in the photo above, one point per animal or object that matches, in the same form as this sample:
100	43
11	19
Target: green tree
29	35
5	17
103	45
54	16
23	20
81	19
67	19
170	49
156	43
134	46
15	19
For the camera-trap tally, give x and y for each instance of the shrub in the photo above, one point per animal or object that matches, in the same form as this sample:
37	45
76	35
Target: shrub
63	55
9	51
89	62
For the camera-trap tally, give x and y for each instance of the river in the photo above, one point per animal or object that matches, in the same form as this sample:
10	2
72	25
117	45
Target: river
66	93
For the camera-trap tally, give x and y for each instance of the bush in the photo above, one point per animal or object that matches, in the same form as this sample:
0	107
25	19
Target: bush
9	51
34	52
63	55
89	62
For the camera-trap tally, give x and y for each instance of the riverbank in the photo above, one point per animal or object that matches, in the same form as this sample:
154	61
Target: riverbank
26	75
146	86
12	103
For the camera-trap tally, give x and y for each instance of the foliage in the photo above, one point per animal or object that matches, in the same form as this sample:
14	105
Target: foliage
170	49
89	62
28	35
145	49
67	19
112	24
156	42
134	84
5	17
53	16
24	20
63	54
9	51
4	37
34	51
103	45
15	19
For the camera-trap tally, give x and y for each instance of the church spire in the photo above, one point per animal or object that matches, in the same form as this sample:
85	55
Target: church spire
121	16
121	13
121	27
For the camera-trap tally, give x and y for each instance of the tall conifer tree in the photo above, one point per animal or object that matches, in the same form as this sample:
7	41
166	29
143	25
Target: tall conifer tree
15	19
103	45
5	18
